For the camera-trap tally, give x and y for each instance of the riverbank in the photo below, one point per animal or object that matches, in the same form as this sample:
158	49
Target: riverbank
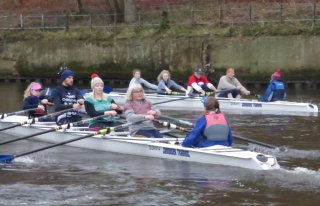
254	51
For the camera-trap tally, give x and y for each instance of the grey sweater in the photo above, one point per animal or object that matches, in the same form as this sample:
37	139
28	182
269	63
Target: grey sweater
135	111
226	83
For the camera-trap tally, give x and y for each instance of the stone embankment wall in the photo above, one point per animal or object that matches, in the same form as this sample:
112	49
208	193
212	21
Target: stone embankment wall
253	58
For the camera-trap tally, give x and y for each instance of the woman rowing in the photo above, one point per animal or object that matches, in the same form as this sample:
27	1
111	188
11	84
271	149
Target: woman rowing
210	129
276	90
99	103
166	84
34	99
136	79
137	109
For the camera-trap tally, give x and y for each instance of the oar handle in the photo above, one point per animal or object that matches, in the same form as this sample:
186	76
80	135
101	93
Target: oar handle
3	115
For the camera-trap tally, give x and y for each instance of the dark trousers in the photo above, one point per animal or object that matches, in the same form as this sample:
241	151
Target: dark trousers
234	93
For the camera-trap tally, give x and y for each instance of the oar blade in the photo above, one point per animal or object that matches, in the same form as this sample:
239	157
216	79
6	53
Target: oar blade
6	159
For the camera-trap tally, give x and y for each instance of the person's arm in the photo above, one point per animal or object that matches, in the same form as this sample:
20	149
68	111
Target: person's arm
148	84
29	103
243	90
130	115
268	94
197	87
177	86
118	109
161	86
195	135
92	112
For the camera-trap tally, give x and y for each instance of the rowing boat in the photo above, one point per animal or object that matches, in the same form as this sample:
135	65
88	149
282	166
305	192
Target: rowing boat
233	106
165	148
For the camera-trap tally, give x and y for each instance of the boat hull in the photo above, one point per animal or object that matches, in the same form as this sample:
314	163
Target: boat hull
234	106
156	148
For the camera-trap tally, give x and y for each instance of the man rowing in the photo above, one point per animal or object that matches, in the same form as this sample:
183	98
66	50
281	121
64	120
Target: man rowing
65	96
230	87
137	79
198	83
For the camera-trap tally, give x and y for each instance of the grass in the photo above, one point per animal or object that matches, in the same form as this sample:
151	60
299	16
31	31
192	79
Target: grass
126	32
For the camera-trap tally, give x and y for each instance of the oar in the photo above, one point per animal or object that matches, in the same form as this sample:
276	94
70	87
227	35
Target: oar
173	100
170	125
31	121
6	159
3	115
65	126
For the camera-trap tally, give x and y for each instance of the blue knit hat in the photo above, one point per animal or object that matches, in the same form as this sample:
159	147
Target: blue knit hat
65	74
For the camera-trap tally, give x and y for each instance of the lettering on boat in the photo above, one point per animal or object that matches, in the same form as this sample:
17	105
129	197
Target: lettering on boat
154	147
257	105
171	151
251	105
183	153
234	103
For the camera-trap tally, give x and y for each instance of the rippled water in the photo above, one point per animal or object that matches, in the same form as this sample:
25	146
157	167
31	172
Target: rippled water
73	176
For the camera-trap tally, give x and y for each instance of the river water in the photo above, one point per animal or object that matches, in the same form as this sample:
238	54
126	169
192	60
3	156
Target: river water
72	176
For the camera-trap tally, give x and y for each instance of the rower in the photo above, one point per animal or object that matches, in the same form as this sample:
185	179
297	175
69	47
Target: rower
137	79
230	87
210	129
33	98
99	103
198	83
65	96
167	85
276	90
136	109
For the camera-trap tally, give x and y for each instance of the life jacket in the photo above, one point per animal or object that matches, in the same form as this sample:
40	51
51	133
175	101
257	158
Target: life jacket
279	91
217	128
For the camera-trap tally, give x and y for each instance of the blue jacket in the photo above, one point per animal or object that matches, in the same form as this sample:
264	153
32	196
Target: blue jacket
276	91
196	137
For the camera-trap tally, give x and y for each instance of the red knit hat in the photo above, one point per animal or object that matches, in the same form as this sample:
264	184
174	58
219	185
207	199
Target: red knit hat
276	75
94	75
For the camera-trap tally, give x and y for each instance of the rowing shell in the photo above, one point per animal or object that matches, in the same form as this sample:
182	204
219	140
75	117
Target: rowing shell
233	106
165	148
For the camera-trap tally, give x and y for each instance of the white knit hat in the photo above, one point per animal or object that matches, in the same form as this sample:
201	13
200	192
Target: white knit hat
95	80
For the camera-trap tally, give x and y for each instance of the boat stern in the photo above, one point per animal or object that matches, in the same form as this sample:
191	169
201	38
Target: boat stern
266	162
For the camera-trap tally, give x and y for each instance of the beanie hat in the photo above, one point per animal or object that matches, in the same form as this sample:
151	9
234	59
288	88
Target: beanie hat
95	80
65	74
276	75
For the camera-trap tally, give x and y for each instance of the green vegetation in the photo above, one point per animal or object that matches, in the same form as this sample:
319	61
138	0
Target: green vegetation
164	30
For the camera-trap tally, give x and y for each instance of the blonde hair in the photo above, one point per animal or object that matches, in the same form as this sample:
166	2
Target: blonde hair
135	70
103	96
162	73
27	92
132	87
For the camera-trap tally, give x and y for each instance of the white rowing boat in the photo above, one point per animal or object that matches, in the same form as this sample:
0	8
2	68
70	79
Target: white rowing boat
234	106
165	148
